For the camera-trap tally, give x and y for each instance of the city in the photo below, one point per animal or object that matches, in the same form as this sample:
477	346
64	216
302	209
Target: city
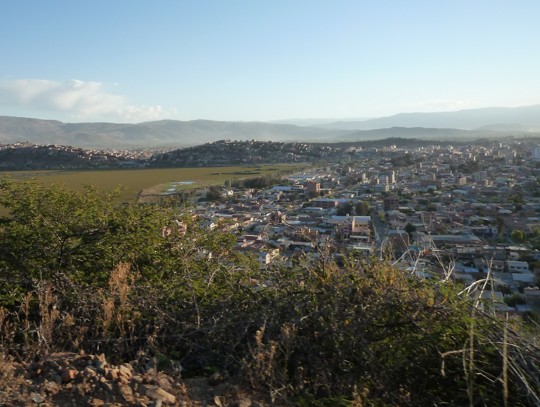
462	212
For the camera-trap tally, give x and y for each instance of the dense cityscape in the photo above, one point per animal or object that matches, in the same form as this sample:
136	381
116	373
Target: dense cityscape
458	212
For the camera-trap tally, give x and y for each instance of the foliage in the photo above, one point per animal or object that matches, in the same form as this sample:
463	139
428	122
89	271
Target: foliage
121	278
260	182
518	235
363	209
410	228
52	232
344	209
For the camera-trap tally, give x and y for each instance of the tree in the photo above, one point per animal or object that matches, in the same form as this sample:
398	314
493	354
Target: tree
410	228
52	231
346	208
363	209
518	235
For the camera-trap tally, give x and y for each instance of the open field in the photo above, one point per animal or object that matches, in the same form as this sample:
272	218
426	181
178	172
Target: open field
151	181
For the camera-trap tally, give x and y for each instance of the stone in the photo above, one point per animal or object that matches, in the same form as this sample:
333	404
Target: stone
165	383
51	387
126	392
37	398
89	372
111	374
105	385
216	378
68	375
97	402
125	370
158	393
137	379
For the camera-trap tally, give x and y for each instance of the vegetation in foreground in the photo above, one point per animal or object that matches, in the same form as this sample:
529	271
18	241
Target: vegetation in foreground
82	272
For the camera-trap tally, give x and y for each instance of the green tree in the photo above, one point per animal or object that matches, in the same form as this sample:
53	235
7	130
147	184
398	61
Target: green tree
410	228
518	235
363	209
52	231
346	208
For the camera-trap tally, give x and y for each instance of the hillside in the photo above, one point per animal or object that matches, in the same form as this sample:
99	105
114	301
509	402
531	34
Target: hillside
158	133
98	305
497	118
245	152
25	156
173	133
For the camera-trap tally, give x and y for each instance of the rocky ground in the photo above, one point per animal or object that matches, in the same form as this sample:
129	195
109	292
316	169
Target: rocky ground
70	379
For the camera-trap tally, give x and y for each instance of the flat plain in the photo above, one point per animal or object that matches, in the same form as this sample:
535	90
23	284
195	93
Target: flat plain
150	182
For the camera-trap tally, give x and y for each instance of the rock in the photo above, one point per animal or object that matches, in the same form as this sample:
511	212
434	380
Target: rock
96	402
126	392
125	370
165	383
106	385
137	379
68	375
111	374
100	362
158	393
51	387
89	372
216	378
37	398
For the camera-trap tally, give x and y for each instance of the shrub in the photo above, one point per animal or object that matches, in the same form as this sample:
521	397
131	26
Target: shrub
94	274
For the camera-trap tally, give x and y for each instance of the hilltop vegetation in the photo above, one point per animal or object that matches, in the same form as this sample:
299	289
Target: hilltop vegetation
83	272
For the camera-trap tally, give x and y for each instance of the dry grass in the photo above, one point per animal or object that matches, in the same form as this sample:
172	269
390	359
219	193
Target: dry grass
153	180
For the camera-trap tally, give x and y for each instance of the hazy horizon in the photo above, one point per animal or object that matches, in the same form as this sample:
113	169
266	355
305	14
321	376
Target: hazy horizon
131	62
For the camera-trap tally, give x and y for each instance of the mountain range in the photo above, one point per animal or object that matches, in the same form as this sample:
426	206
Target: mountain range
525	118
464	124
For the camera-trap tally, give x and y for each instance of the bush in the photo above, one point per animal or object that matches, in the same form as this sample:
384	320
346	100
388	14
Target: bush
96	274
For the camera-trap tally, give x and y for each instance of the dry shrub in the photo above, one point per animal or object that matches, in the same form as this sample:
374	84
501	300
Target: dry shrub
119	312
49	313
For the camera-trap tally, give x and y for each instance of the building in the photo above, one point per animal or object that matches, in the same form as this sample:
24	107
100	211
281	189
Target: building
517	266
536	153
327	203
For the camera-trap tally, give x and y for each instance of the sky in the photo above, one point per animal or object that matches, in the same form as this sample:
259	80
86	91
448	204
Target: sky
249	60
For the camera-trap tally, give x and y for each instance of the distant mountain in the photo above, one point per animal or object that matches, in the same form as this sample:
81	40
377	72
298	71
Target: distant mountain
490	122
157	133
491	118
316	122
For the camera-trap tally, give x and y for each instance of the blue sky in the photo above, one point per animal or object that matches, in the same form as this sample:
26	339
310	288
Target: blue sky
132	61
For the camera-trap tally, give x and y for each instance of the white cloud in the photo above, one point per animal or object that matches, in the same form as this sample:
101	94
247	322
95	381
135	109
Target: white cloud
78	99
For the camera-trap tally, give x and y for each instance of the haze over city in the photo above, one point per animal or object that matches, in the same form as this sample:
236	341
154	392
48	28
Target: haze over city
260	61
